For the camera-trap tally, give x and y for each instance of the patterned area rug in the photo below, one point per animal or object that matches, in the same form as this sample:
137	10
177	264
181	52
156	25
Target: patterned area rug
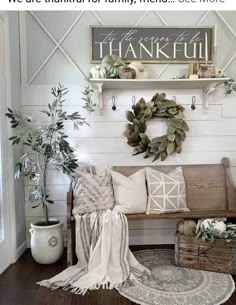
170	285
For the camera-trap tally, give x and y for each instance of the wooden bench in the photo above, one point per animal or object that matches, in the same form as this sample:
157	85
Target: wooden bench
210	194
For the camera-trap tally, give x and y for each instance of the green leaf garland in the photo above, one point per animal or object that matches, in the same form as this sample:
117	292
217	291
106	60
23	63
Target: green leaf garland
159	147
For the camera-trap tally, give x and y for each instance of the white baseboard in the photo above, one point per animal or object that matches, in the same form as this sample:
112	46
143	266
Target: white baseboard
20	250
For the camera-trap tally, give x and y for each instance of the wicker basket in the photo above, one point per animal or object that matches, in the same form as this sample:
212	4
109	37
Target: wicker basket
218	256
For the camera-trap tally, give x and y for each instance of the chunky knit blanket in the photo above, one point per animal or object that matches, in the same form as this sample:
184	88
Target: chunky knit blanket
104	258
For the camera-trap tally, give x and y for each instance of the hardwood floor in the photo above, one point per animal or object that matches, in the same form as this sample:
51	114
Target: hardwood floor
17	287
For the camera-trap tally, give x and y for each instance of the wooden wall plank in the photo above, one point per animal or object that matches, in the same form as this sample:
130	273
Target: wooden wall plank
215	113
58	208
115	145
54	177
53	174
56	192
229	108
119	145
36	95
176	159
155	128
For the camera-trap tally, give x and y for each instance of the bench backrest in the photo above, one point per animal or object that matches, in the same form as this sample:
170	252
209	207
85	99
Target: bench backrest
206	187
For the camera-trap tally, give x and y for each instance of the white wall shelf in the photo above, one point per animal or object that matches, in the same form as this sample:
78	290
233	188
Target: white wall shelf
207	85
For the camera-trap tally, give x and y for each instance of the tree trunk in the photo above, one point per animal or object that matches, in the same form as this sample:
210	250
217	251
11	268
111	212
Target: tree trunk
46	213
45	192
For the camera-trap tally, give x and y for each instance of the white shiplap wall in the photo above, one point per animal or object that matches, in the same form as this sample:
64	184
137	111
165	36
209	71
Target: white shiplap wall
211	136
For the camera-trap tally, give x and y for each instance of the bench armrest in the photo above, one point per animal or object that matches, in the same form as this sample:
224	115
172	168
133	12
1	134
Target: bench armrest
230	187
70	240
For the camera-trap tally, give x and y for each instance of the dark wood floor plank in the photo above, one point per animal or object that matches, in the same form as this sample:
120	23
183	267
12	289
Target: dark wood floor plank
18	286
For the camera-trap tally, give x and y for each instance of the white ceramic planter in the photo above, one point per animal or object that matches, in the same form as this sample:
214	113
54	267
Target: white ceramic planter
47	241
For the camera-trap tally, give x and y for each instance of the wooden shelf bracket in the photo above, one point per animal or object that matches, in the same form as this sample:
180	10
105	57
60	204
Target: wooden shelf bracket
98	88
206	92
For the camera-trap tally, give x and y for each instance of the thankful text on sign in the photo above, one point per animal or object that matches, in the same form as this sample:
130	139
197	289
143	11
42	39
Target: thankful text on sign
159	44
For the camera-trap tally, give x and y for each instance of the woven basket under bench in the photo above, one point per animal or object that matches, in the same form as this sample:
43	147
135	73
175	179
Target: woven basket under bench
218	256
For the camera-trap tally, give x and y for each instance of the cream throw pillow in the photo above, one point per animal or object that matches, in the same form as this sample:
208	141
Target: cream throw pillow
166	192
130	192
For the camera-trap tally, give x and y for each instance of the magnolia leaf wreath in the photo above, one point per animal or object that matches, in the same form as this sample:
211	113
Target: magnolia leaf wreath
158	107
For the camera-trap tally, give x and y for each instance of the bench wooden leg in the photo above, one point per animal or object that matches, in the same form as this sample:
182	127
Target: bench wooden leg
69	246
69	228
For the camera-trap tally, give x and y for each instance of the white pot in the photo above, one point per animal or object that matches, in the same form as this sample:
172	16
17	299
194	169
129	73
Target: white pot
47	241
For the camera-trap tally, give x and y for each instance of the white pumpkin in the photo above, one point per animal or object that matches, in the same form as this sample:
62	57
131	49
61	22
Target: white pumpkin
186	227
98	72
220	227
141	72
206	223
216	225
219	73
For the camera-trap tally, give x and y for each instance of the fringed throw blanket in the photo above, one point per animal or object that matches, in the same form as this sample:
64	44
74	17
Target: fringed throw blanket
104	258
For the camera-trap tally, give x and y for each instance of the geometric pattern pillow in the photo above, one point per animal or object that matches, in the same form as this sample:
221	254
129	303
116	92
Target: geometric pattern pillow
93	192
166	192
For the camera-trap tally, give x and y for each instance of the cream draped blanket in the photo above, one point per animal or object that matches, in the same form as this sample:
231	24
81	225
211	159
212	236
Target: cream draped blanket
104	258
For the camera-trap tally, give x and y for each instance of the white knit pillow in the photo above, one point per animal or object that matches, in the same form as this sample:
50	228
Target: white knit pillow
93	192
166	192
130	192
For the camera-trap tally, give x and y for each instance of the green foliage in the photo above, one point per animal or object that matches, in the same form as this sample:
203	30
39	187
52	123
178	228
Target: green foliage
90	106
230	86
159	147
113	64
47	144
211	233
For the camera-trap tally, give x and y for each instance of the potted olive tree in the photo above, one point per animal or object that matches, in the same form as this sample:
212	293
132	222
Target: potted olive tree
48	147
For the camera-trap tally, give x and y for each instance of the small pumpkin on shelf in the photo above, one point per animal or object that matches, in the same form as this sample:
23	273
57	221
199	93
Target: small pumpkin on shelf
113	64
141	71
97	72
127	73
219	73
186	227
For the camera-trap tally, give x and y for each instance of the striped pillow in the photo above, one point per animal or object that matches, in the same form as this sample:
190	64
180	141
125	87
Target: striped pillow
93	192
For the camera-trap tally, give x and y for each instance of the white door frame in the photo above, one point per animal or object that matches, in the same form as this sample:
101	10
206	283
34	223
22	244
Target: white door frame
8	194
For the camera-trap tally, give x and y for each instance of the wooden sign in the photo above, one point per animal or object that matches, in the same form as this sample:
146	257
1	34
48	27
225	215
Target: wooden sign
154	44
